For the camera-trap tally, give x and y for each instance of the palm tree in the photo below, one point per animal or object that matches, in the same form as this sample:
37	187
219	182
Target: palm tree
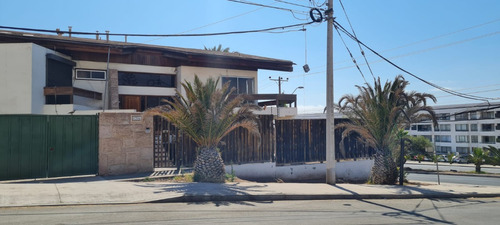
217	48
377	114
479	157
207	114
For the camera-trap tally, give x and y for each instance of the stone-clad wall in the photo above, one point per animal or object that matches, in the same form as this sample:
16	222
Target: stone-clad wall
125	143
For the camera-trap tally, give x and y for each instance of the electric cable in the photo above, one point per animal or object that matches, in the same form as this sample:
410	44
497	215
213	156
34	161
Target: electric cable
472	97
354	33
159	35
268	6
352	57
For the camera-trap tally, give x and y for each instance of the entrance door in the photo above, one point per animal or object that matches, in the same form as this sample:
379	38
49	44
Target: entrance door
131	102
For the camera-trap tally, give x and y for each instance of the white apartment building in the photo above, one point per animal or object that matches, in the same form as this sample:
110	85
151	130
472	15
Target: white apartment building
461	127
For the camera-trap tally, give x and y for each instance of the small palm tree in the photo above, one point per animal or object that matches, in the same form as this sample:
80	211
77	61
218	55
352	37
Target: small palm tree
479	157
377	114
207	114
217	48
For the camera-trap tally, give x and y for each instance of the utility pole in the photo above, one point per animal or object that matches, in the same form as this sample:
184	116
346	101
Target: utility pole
280	79
330	126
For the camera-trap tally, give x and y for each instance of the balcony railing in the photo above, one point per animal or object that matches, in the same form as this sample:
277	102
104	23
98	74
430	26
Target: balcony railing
272	99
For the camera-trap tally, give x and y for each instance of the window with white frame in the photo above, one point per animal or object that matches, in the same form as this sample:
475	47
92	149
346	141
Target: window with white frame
487	115
461	127
241	84
443	149
473	127
474	139
85	74
462	139
444	127
463	150
442	138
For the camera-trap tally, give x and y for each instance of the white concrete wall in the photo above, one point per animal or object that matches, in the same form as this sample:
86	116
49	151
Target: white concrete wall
187	73
273	110
15	73
358	171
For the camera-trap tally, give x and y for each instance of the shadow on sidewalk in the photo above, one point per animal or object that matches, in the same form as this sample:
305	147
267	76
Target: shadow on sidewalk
211	193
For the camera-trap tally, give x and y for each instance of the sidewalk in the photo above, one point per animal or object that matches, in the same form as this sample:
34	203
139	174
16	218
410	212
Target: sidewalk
120	190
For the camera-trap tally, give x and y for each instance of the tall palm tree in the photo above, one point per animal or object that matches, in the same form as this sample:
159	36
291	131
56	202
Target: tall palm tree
377	113
207	114
217	48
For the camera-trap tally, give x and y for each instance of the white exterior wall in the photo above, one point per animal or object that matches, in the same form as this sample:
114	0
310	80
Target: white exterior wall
23	70
187	73
453	133
15	72
345	170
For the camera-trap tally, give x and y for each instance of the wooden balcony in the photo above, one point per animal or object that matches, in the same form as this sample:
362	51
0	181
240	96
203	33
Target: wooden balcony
71	91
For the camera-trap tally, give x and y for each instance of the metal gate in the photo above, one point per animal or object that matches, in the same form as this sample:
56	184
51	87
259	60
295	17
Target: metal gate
36	146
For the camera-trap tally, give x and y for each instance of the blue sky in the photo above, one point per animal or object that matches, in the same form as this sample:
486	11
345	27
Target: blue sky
465	60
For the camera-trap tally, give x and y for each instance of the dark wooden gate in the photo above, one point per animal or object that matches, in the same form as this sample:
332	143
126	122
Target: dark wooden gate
172	148
37	146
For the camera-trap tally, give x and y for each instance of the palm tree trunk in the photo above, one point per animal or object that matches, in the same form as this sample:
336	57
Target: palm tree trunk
478	168
384	169
209	166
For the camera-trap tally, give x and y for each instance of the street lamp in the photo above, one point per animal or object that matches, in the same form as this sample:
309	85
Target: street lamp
299	87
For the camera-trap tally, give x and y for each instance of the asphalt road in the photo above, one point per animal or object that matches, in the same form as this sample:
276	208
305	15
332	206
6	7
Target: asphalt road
474	180
443	166
408	211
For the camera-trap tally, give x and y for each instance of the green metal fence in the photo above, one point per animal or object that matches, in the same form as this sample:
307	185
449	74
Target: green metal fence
36	146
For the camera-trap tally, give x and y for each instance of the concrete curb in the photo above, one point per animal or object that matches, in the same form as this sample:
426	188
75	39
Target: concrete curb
235	198
451	173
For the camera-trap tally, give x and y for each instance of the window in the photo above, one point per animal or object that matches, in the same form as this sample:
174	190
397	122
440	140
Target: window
462	139
474	116
487	127
463	150
146	79
413	127
59	73
487	115
242	85
90	74
474	139
443	138
443	149
141	103
444	127
462	116
443	116
473	127
488	139
424	128
461	127
428	137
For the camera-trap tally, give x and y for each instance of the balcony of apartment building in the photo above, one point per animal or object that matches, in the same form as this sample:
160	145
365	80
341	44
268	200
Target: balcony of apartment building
462	127
487	115
461	116
488	140
424	128
487	127
497	114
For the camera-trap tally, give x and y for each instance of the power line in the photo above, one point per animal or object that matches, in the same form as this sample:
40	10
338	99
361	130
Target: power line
410	53
269	6
437	37
210	24
352	57
473	97
354	33
295	4
159	35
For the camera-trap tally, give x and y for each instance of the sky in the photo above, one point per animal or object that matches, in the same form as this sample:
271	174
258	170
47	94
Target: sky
452	43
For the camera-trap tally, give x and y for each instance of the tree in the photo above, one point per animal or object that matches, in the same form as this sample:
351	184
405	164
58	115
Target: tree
377	113
418	145
494	156
207	114
217	48
479	157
